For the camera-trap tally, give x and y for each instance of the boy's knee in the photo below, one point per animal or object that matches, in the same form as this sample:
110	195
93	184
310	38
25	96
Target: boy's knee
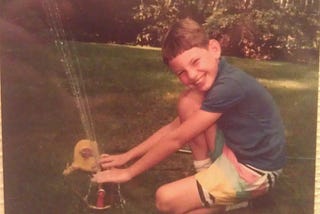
189	101
164	200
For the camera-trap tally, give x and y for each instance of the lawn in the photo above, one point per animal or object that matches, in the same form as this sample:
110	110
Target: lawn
130	95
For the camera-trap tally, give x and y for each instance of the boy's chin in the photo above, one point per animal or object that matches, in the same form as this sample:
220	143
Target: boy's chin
200	89
204	88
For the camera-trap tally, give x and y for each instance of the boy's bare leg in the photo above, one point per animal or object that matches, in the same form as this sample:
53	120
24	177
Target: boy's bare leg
190	102
182	196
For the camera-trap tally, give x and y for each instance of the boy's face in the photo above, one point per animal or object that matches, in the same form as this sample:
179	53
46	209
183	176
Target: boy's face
197	67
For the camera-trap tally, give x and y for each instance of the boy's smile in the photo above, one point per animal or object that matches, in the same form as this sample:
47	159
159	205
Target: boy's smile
197	67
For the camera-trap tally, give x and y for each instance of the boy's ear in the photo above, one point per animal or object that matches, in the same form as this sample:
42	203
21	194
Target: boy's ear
215	48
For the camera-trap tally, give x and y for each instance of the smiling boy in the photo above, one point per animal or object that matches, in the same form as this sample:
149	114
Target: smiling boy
220	97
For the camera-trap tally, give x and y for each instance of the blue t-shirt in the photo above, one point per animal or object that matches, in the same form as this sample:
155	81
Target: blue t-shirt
250	121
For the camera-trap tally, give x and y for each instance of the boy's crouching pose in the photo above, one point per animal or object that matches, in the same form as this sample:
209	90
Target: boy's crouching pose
242	164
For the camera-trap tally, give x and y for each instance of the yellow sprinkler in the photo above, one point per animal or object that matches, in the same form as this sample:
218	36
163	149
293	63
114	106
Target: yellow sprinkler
84	157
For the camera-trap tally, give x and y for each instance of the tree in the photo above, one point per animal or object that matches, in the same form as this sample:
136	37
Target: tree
156	15
250	28
257	29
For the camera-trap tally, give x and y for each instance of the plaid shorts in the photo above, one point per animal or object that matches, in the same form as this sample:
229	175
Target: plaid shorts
228	182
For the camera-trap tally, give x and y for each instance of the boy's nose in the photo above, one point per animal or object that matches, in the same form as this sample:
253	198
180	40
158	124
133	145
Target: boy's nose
192	74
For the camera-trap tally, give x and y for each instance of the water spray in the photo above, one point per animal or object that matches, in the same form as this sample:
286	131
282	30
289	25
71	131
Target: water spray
86	151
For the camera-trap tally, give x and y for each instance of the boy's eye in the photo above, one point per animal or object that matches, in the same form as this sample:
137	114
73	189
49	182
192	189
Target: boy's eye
179	73
195	62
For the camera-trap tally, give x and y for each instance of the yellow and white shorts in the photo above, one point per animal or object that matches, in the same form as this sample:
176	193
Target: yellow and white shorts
228	182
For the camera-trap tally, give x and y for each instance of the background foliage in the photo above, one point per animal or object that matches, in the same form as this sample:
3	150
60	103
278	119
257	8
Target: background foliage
278	29
251	28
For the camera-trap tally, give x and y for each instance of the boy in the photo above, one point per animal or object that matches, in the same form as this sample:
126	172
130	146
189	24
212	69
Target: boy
217	95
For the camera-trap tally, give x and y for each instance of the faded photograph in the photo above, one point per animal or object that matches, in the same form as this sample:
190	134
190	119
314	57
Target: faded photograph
159	106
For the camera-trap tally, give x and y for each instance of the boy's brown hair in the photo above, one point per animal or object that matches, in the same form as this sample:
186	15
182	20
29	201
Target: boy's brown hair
183	36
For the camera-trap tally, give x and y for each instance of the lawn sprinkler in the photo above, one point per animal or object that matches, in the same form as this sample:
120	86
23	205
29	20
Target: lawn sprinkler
96	196
84	157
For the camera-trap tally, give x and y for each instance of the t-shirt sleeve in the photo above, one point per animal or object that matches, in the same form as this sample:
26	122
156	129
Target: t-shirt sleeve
222	96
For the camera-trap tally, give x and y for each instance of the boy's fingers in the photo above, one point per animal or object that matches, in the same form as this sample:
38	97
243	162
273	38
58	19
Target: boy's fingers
106	165
100	177
104	155
94	178
105	160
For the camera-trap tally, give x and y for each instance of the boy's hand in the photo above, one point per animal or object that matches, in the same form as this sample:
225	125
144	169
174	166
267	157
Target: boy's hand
112	176
107	161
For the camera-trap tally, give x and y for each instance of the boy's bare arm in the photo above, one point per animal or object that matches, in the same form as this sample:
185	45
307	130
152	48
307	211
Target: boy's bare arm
143	147
166	145
170	143
107	161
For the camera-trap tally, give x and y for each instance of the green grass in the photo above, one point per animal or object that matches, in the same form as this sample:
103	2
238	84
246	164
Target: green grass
131	94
